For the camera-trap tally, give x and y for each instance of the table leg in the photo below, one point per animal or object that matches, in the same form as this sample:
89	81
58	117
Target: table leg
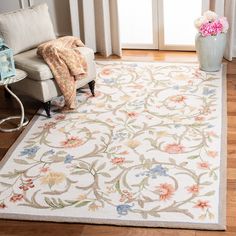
23	120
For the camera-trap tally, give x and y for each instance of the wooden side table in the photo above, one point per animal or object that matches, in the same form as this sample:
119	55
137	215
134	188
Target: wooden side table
20	74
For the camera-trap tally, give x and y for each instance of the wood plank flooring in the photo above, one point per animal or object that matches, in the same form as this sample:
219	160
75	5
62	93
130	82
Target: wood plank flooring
27	228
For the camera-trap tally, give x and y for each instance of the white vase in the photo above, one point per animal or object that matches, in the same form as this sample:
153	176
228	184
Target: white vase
210	51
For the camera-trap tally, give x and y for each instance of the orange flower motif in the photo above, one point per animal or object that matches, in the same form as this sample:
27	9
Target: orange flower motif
106	72
211	134
16	197
44	169
72	142
194	189
126	195
124	153
206	110
132	143
118	160
202	204
53	178
93	207
178	98
60	117
132	114
174	148
212	154
49	125
82	197
203	165
165	191
199	118
110	189
181	76
27	185
109	120
2	205
190	82
137	86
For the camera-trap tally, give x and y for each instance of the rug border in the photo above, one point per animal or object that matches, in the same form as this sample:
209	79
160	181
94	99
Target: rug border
160	224
20	137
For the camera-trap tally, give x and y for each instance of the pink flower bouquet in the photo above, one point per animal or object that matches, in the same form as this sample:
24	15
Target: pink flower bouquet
210	24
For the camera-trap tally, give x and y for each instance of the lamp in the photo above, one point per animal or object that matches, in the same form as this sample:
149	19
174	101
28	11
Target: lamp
7	66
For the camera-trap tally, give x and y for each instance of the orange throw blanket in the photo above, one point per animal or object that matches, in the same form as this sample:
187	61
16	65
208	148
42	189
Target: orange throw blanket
67	65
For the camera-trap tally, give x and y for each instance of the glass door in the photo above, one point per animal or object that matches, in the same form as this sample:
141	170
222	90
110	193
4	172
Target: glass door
159	24
138	23
176	23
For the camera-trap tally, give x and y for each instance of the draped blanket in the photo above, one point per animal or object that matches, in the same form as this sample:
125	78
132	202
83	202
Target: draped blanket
66	63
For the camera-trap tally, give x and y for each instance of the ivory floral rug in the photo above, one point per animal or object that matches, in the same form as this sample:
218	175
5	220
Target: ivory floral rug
148	150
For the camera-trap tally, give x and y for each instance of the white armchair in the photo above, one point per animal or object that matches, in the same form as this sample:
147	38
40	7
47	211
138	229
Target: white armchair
23	30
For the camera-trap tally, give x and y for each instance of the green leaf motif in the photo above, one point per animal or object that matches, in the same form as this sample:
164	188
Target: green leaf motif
80	172
5	184
101	167
172	160
193	157
105	174
21	161
153	213
211	193
55	203
141	203
206	183
81	204
82	165
12	175
182	164
117	186
147	199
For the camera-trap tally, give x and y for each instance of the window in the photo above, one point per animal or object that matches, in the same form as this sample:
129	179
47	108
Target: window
163	24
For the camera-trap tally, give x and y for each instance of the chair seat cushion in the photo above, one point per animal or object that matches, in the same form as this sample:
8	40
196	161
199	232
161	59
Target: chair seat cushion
37	69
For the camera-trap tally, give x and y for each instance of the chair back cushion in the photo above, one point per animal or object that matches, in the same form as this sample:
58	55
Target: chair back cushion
26	28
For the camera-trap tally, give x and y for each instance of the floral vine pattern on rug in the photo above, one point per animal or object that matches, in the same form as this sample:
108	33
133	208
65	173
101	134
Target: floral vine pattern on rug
146	147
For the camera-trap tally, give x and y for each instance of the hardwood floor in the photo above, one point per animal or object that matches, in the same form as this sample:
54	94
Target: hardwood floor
20	228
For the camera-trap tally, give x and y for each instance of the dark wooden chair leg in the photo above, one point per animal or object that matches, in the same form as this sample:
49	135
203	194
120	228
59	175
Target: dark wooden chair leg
6	94
92	87
47	108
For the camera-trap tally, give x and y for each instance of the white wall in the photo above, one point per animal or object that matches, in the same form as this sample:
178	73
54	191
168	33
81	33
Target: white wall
6	5
59	11
234	52
60	14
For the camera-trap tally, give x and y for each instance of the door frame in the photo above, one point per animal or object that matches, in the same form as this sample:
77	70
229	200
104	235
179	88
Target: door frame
155	25
162	45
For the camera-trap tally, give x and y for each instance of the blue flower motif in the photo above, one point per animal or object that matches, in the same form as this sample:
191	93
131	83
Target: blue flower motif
29	151
157	170
137	103
50	152
108	80
68	159
123	209
177	125
120	136
176	87
207	91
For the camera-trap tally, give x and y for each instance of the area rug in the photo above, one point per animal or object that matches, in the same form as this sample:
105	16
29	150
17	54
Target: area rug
147	150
